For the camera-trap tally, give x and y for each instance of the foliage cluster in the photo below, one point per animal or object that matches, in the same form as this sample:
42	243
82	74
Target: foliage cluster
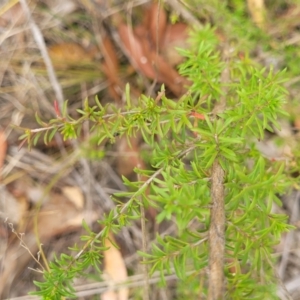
187	136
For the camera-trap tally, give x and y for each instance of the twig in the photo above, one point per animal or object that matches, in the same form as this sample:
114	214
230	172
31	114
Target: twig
100	287
43	49
23	244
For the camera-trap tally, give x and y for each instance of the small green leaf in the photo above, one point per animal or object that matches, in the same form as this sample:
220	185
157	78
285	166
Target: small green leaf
39	121
85	226
211	160
210	125
36	138
228	153
51	135
65	109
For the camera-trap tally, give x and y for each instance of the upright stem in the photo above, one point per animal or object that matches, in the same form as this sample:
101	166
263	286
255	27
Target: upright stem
216	234
146	292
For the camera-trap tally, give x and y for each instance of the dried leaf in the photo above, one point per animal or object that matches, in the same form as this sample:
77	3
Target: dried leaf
135	51
168	75
156	22
110	57
115	271
176	37
58	216
110	68
142	50
74	194
148	61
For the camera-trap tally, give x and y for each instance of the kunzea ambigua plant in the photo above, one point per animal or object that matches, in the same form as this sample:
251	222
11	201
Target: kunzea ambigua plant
206	175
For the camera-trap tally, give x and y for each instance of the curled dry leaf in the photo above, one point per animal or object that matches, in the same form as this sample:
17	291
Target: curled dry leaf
148	61
115	271
135	51
141	46
168	75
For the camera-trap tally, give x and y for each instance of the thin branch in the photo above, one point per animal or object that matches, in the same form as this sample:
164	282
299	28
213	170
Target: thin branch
101	287
107	116
117	214
23	244
43	49
124	208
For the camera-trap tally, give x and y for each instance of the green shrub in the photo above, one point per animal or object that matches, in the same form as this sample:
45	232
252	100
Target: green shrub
206	174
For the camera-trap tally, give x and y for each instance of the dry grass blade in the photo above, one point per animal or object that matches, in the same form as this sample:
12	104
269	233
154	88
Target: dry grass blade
42	46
